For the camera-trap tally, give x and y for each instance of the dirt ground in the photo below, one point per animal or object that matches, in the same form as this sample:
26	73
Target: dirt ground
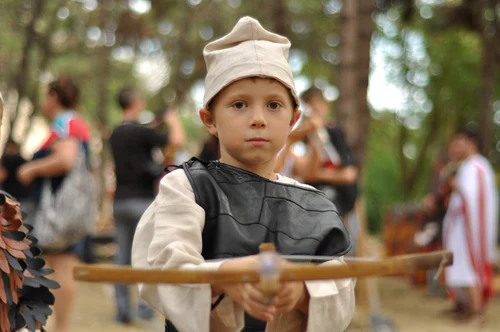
409	308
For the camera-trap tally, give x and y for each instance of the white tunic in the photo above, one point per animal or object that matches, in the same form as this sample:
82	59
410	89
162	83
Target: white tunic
169	236
471	223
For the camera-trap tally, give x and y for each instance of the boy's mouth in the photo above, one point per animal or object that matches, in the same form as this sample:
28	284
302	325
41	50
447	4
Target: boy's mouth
258	141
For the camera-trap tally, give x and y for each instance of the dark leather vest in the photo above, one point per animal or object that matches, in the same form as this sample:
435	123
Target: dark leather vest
243	210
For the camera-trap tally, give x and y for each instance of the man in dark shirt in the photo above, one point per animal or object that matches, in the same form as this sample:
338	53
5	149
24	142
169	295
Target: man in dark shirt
334	170
9	164
136	171
11	161
328	164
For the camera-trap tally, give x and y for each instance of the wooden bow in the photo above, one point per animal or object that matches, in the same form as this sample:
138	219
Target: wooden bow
396	265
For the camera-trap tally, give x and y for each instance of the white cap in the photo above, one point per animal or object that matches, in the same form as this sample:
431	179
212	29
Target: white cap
247	51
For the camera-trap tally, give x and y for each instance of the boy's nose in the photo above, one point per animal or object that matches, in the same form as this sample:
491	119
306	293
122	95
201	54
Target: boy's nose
258	118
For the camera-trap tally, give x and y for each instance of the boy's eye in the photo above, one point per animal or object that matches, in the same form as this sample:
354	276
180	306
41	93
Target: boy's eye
239	105
274	105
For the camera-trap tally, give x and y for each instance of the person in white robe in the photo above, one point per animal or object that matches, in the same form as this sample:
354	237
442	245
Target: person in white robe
471	227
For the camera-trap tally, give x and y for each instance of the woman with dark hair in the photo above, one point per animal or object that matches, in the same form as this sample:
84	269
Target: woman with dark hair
69	136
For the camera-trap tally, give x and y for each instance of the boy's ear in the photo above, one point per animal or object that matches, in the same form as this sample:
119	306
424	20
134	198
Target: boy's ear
208	120
295	117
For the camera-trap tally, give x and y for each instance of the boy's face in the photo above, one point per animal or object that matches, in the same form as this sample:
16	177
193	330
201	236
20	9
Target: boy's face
252	118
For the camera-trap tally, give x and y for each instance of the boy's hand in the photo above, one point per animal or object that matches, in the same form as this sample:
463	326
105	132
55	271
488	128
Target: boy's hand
252	300
248	295
293	295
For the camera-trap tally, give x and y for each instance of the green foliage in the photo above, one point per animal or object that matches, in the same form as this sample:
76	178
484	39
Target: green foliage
383	186
455	83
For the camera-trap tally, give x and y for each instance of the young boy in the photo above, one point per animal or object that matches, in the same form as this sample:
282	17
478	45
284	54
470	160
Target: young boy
226	209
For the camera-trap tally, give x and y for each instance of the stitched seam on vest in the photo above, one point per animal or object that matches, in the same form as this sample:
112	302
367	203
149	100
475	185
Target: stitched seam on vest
193	184
260	178
262	202
342	253
311	190
271	231
300	206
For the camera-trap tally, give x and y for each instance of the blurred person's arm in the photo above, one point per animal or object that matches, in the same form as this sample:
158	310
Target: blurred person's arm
311	171
59	162
176	136
314	172
429	203
303	129
3	174
343	176
282	156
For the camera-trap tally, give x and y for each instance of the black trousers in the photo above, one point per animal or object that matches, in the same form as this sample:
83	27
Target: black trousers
251	325
169	327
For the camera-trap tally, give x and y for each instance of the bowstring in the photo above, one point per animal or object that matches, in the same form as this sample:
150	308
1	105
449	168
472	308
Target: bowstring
309	258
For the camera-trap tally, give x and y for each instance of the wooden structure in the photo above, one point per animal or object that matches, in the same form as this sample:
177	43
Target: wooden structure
401	223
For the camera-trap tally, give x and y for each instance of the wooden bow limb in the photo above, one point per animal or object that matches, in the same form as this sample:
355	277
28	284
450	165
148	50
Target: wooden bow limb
397	265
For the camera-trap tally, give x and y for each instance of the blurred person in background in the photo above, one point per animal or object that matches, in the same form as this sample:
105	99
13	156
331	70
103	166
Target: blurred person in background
9	164
470	229
161	123
137	172
54	161
210	150
328	165
434	206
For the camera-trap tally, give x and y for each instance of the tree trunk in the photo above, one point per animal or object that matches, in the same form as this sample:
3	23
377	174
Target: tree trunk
103	73
279	17
487	78
352	112
177	83
46	54
22	77
416	172
365	31
403	162
347	81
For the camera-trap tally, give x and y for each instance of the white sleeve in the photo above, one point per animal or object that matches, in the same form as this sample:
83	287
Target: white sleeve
332	303
169	235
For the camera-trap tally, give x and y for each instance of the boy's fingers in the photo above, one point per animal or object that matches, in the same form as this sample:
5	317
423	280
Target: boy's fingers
255	294
260	315
255	302
260	307
284	301
264	312
285	289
